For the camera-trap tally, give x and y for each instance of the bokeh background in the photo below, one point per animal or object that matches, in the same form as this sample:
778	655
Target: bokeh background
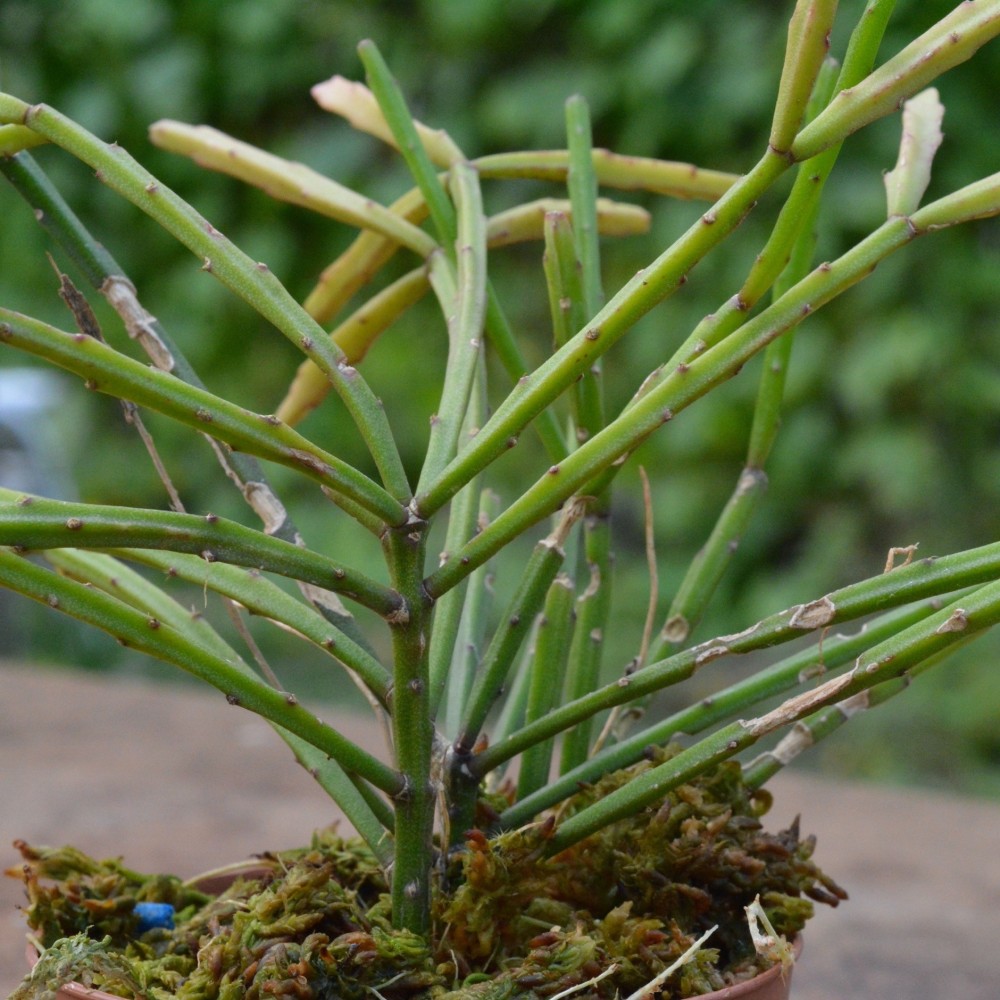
891	427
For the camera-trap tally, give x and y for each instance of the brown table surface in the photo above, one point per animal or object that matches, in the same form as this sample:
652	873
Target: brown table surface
173	781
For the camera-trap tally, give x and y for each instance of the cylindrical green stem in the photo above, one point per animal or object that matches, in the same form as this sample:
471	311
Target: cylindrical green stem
463	299
650	286
924	578
413	732
797	669
947	43
592	609
808	42
494	669
544	563
669	393
712	559
261	596
547	670
502	341
796	216
448	610
469	645
36	523
792	239
355	335
109	371
140	631
811	730
107	276
253	282
885	661
400	121
581	181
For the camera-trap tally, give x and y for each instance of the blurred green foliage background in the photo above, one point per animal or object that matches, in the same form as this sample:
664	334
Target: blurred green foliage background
892	420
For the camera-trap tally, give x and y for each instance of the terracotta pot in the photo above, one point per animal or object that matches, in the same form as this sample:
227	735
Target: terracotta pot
770	985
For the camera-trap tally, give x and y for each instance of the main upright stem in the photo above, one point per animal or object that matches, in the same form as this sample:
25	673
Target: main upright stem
412	728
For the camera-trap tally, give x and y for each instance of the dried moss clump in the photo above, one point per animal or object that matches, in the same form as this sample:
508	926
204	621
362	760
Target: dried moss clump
509	919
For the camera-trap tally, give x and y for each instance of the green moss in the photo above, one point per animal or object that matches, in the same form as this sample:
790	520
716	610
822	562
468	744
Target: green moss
510	920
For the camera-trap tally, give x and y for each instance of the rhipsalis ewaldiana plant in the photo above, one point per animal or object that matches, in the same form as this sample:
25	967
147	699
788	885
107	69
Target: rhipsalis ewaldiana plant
464	687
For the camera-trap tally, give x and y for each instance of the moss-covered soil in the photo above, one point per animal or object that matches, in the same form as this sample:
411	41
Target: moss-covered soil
509	920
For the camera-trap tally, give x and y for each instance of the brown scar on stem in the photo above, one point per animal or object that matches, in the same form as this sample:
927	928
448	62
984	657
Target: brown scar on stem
958	621
815	614
795	708
712	652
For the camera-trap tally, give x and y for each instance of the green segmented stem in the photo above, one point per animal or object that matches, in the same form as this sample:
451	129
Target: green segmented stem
547	672
811	730
366	812
411	720
253	282
793	219
262	597
107	370
581	182
543	564
806	192
355	334
363	807
883	662
109	574
501	339
463	298
792	242
450	668
663	276
471	638
711	560
797	669
792	239
592	609
668	392
594	561
567	307
106	274
925	578
808	43
413	733
140	631
448	610
15	139
37	523
562	278
649	287
949	42
400	121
